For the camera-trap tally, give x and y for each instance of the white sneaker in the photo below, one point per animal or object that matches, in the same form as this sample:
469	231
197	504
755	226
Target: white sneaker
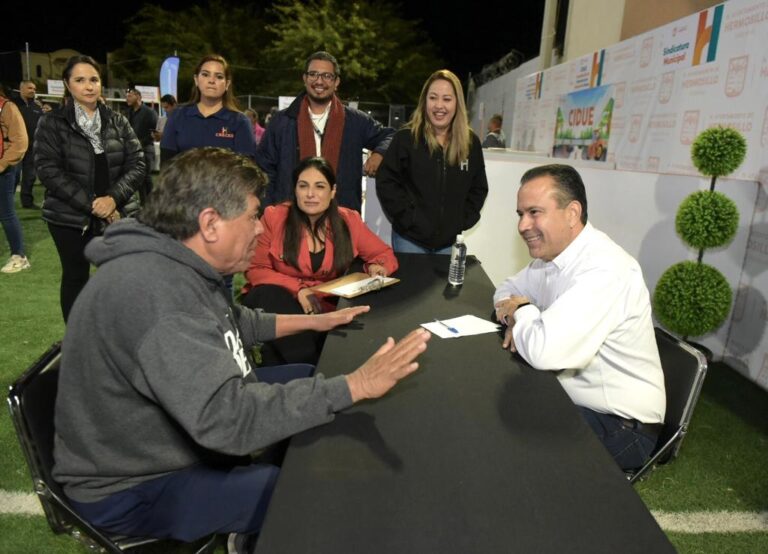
16	264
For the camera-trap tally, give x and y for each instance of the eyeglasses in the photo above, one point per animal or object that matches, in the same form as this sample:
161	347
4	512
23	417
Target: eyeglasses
327	77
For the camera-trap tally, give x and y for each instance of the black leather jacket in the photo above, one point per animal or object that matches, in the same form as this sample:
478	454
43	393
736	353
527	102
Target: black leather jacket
65	163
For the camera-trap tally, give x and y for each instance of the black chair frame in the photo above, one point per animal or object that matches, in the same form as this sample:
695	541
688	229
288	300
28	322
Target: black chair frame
684	371
31	400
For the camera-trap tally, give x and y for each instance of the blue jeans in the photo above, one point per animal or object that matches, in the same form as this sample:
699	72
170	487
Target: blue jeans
629	447
402	245
188	504
8	217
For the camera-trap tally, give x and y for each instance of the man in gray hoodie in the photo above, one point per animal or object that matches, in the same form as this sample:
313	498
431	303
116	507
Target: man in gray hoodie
158	402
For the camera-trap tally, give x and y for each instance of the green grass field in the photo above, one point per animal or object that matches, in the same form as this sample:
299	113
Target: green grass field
723	465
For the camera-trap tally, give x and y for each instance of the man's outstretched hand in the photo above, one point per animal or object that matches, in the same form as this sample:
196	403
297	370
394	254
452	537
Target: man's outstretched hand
392	362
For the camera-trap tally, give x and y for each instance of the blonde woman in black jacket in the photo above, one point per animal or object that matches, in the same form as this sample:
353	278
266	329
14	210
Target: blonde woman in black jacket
431	183
90	162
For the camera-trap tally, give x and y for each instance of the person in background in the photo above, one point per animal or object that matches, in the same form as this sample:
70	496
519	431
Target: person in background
581	308
258	130
495	137
168	104
159	407
318	124
91	164
143	120
13	134
432	184
47	107
211	118
307	241
32	111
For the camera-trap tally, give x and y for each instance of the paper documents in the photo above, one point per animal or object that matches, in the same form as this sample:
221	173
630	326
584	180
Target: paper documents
460	327
362	286
355	284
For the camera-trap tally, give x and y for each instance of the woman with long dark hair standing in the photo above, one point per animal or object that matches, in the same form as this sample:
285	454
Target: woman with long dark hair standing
307	241
91	163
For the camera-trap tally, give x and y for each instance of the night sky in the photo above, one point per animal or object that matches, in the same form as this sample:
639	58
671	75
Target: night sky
469	35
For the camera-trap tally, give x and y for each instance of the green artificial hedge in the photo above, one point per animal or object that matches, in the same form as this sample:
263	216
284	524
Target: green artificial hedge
692	299
707	220
718	151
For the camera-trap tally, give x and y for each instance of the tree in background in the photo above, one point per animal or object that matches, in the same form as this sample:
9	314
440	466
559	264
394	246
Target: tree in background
235	32
383	57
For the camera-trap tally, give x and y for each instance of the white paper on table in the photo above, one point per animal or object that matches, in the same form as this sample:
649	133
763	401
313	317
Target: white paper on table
365	285
465	325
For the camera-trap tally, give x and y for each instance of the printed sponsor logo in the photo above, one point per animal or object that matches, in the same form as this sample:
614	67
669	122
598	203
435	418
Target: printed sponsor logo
666	86
634	128
737	75
225	133
676	53
700	78
646	52
747	17
764	134
619	89
663	121
690	126
653	163
707	35
741	121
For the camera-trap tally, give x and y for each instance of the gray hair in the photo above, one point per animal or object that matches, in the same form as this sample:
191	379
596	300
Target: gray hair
201	178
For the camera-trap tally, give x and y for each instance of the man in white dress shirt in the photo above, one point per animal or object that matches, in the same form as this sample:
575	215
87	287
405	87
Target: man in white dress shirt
581	308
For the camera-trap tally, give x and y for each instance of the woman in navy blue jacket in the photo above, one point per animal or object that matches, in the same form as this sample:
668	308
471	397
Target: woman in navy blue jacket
211	118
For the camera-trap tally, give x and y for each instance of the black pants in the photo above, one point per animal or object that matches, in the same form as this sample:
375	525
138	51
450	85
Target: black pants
146	187
302	348
75	268
28	178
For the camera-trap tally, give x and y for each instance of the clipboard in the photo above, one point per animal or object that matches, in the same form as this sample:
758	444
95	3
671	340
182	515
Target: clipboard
354	284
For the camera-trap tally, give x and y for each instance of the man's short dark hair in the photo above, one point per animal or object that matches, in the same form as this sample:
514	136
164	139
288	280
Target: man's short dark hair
168	99
134	90
201	178
568	185
497	118
325	56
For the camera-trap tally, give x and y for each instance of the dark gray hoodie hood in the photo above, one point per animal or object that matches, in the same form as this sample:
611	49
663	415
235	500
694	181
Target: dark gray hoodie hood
128	236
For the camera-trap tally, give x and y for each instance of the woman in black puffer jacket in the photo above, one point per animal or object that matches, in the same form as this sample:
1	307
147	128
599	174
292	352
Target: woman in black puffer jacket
91	163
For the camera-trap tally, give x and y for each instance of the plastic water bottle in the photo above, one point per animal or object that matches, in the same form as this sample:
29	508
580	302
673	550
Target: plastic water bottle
458	262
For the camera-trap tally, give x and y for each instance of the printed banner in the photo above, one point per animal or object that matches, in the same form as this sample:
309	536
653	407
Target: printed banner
169	77
583	124
669	84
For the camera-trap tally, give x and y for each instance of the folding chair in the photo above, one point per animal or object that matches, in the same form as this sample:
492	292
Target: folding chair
31	400
684	371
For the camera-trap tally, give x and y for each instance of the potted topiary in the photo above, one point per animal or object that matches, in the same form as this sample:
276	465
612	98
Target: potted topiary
693	298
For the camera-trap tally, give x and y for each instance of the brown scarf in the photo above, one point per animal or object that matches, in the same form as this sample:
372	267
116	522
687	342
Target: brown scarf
331	139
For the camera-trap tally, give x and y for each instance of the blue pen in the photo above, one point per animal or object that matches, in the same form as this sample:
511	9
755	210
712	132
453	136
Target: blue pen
451	329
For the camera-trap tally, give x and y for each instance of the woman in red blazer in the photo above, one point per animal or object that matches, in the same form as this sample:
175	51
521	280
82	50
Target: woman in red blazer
307	241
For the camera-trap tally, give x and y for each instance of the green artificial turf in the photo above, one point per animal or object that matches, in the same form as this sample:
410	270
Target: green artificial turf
722	464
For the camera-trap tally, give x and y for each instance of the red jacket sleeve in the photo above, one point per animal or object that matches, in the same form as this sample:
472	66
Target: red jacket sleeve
366	245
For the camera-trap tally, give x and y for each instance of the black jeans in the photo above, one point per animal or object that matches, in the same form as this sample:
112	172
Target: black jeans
302	348
75	268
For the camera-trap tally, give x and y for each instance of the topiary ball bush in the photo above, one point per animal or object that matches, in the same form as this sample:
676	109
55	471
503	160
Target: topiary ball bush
707	219
692	299
718	151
